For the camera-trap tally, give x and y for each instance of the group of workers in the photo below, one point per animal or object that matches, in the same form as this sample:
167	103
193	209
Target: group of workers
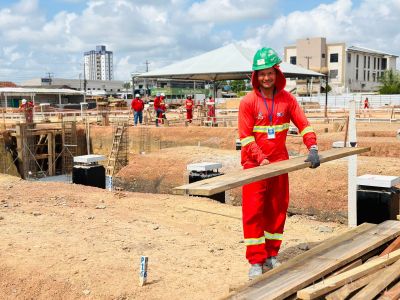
160	108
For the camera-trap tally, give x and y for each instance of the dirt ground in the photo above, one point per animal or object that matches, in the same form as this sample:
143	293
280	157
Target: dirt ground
59	241
56	243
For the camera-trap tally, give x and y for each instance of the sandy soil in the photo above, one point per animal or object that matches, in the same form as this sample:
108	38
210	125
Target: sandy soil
59	241
56	243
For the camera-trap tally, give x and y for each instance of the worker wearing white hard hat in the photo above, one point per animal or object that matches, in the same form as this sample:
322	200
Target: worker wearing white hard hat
27	107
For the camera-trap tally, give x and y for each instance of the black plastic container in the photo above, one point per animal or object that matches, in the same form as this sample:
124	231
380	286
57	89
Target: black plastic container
91	175
377	204
197	176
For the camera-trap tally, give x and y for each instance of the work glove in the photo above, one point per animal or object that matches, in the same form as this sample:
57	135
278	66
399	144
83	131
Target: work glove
313	157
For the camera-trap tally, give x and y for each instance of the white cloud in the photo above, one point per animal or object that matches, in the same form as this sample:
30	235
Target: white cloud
373	24
218	11
164	31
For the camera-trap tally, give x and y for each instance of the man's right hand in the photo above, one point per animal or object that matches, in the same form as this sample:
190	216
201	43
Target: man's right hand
264	162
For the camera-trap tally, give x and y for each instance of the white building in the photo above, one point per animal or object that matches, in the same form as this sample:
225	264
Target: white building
93	87
98	64
352	69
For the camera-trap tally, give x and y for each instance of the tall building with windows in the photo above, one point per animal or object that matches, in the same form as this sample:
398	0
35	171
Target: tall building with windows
349	69
98	64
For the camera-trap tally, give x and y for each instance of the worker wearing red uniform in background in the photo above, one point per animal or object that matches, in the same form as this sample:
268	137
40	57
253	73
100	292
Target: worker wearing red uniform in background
157	110
27	108
366	103
211	109
137	106
162	108
189	108
264	118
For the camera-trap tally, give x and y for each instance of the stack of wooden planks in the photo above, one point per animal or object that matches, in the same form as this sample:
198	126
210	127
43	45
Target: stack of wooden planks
363	263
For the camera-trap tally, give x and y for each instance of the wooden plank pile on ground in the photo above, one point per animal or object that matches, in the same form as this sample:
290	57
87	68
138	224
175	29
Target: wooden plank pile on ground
363	263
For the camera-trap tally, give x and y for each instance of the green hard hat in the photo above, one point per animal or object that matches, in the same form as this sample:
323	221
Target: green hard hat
265	58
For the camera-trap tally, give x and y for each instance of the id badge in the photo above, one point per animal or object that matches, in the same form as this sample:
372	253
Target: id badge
271	133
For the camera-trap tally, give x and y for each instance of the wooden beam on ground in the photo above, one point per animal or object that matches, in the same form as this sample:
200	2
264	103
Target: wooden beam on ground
330	284
318	262
373	289
392	247
348	267
346	290
392	294
238	178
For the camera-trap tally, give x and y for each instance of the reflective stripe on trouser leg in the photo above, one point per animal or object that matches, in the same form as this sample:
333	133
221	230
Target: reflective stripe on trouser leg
253	199
277	200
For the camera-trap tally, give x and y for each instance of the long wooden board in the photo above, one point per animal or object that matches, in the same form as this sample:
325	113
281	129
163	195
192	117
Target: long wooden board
330	284
291	277
238	178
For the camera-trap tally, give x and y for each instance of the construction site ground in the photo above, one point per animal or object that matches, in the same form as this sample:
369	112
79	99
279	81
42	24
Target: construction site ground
62	241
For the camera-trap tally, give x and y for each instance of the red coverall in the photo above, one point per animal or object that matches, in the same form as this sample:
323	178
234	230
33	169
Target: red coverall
211	109
27	108
366	104
265	202
162	109
189	109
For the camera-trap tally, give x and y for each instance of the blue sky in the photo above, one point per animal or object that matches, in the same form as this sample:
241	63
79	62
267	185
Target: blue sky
40	36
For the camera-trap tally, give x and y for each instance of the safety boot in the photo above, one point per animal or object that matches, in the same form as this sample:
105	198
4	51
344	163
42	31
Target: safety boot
255	271
271	263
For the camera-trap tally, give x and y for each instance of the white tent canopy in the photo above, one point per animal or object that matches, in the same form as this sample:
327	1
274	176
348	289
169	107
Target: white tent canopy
229	62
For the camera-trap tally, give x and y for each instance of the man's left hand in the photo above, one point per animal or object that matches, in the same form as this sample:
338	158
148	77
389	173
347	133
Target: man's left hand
313	158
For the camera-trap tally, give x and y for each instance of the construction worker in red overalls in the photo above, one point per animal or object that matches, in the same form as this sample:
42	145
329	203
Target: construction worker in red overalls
189	108
264	118
27	108
211	110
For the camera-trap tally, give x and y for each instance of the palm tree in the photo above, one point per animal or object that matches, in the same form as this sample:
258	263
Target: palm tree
127	86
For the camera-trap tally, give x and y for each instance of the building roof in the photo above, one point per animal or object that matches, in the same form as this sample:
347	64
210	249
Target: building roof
362	49
20	91
7	84
229	62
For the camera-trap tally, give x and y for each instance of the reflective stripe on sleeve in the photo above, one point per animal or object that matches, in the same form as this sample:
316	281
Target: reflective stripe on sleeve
278	128
252	242
306	130
247	140
273	236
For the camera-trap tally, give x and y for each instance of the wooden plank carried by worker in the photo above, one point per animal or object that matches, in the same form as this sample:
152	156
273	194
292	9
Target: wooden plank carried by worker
238	178
303	271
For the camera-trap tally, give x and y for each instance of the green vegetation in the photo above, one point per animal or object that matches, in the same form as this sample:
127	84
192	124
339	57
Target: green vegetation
390	82
238	85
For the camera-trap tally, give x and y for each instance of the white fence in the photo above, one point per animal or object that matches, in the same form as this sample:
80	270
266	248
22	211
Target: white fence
341	101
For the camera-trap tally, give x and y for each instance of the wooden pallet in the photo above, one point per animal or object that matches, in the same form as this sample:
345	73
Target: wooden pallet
238	178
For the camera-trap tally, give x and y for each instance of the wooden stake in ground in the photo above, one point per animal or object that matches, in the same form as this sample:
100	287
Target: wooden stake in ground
144	260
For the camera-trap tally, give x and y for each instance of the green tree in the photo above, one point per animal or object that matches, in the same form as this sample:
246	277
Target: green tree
390	82
238	85
126	86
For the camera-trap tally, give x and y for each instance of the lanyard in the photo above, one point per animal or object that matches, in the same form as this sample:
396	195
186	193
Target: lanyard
270	115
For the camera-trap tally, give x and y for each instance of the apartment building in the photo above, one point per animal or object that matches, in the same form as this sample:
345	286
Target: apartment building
349	69
98	64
